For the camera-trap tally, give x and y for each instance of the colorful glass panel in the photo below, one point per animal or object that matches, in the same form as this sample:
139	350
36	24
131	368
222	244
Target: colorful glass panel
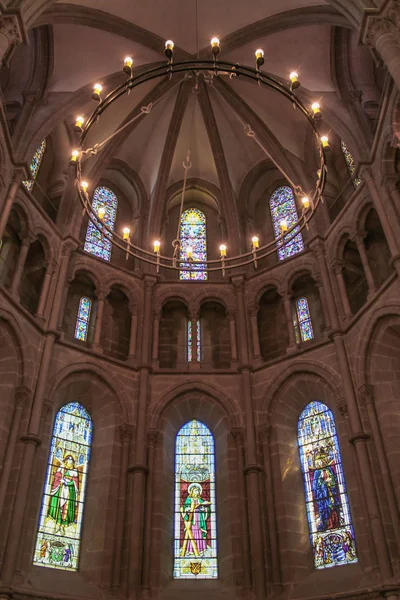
98	243
195	544
83	318
329	520
283	206
193	234
351	165
189	341
198	341
304	320
60	523
35	166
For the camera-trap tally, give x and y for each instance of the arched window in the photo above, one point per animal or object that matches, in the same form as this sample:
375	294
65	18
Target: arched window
303	324
97	243
195	545
283	206
83	318
190	341
193	234
59	533
35	166
331	531
351	165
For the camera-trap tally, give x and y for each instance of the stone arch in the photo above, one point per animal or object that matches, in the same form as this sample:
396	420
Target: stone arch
215	296
167	294
267	281
83	268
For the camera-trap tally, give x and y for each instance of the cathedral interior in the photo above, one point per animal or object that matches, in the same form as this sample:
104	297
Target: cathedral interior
199	299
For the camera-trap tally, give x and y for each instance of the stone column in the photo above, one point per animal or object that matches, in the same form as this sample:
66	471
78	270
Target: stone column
26	242
252	468
237	435
338	267
152	439
139	469
254	332
381	31
32	439
156	335
8	202
287	301
50	271
232	336
126	436
11	32
133	333
358	437
322	295
101	297
359	239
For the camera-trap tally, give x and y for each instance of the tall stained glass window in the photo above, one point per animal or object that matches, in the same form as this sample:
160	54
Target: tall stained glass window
99	243
190	341
35	166
304	320
283	207
60	523
350	162
329	520
195	544
83	318
193	234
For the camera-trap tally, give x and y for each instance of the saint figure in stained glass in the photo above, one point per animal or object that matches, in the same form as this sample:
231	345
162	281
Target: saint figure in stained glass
331	530
193	234
83	318
195	546
60	523
350	162
304	320
98	243
283	207
35	166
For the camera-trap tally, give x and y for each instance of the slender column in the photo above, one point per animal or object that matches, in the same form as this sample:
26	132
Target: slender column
22	398
156	335
152	438
101	297
364	259
45	288
133	334
252	468
338	269
139	470
8	202
254	333
322	295
232	336
126	436
237	434
269	494
32	439
26	242
287	301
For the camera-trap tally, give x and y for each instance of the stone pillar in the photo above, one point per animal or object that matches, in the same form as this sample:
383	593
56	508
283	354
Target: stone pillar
101	297
126	436
32	439
8	202
232	337
338	267
381	31
156	335
152	439
139	470
252	468
254	332
50	271
359	239
16	279
287	301
322	295
237	435
133	333
11	31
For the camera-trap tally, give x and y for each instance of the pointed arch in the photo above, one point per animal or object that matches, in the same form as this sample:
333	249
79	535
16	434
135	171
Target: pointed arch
193	234
328	511
35	166
83	318
195	540
96	243
350	162
60	522
283	207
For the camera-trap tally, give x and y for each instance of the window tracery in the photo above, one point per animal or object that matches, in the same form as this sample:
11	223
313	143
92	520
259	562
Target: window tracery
283	207
59	532
83	318
96	243
328	512
193	234
195	544
35	166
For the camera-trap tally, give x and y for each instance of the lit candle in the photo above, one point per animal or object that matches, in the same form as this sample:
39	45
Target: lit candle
156	246
189	252
316	109
125	233
101	212
259	57
79	123
254	241
74	156
283	225
222	250
215	47
97	88
84	186
294	79
325	142
306	202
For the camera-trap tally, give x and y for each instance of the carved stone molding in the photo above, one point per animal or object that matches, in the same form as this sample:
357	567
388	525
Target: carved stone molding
383	22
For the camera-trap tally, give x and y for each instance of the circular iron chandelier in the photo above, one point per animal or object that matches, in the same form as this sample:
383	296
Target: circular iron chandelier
208	69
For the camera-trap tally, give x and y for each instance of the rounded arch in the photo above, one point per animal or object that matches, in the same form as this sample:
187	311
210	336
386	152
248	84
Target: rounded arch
309	267
270	282
25	360
169	294
81	268
218	296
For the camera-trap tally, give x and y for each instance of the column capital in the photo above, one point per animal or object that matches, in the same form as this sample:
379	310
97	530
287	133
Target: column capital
237	434
342	406
23	395
153	437
126	432
365	394
69	246
12	30
264	432
337	266
238	283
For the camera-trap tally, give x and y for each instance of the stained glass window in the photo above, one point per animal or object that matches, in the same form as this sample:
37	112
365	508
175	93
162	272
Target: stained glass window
60	523
351	165
283	206
193	234
99	243
195	544
190	341
35	166
198	341
304	320
83	318
329	520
